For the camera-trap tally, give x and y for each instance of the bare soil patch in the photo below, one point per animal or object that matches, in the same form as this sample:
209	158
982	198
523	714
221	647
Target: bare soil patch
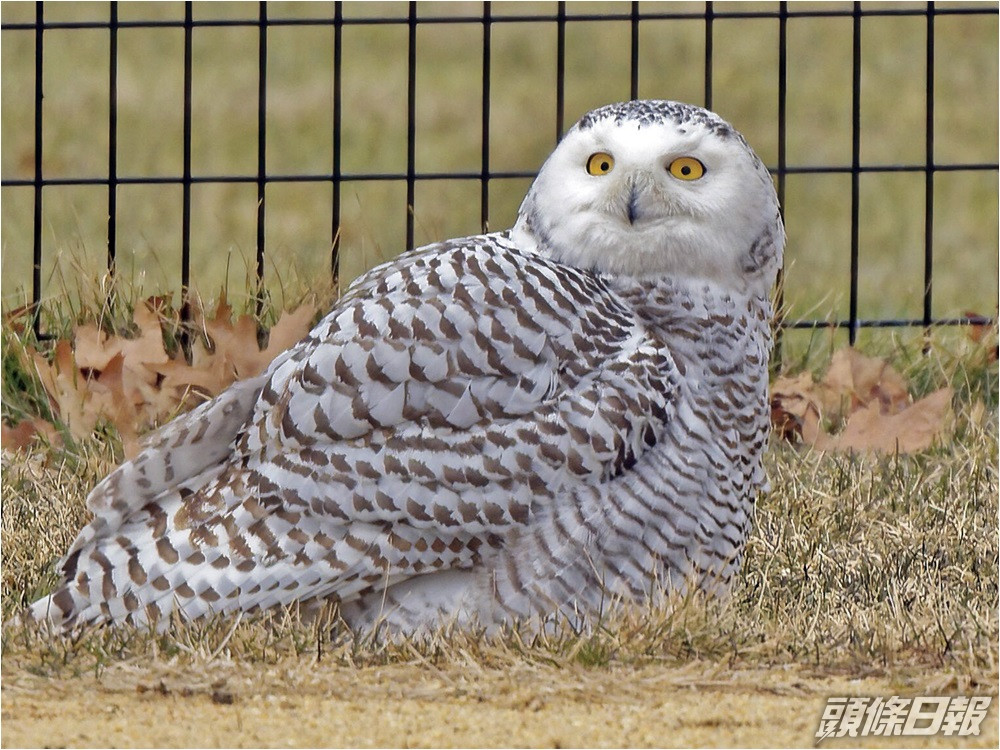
297	704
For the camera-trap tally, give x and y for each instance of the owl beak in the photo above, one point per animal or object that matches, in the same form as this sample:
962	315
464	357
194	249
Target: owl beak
633	202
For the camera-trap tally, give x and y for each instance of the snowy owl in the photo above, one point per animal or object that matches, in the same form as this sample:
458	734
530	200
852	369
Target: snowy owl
519	426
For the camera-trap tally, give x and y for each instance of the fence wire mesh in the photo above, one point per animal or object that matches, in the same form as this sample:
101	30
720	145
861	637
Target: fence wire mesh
173	140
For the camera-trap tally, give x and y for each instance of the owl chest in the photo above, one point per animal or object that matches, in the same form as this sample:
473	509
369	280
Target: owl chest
689	500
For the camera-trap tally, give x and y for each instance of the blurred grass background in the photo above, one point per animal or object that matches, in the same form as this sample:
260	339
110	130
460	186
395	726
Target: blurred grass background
448	137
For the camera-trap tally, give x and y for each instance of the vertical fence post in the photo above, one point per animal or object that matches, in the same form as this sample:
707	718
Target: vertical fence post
560	68
36	264
261	154
929	181
779	333
411	122
709	35
634	64
484	196
852	317
112	137
338	61
186	182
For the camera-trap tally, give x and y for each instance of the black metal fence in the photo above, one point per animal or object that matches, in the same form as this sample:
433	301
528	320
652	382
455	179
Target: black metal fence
486	19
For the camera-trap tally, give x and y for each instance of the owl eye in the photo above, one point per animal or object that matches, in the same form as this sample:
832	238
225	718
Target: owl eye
686	168
600	163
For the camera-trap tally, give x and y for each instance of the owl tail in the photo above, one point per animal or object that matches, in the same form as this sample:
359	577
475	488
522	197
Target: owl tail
213	546
138	572
59	610
128	563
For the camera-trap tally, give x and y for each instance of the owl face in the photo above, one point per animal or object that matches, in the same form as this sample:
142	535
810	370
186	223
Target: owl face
656	188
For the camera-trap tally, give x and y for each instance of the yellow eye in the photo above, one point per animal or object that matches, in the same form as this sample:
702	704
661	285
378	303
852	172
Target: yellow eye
600	163
686	168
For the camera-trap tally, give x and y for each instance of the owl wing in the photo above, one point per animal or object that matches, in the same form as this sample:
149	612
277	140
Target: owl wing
448	397
458	390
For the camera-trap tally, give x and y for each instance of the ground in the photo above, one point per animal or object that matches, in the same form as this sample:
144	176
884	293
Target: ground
315	705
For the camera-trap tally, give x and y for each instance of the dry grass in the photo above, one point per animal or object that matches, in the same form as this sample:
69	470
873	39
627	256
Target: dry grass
856	562
875	568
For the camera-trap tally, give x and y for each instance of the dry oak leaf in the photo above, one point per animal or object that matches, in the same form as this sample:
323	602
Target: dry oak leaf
913	429
95	348
854	380
126	406
234	354
63	383
291	328
83	399
189	385
985	335
24	433
870	396
795	408
134	384
233	343
19	318
128	366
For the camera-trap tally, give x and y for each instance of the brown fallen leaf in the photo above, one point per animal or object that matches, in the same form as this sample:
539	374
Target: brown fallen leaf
913	429
18	318
162	305
854	380
234	343
24	433
795	408
984	335
95	349
868	397
135	384
63	383
111	399
234	353
191	384
291	328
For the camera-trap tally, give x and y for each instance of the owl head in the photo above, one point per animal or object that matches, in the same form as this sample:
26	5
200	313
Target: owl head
646	188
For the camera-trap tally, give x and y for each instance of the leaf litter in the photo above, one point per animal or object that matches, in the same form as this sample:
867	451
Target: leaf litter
136	383
868	399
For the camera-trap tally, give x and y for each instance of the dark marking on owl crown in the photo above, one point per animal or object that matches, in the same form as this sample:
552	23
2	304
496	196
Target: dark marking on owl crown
657	112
